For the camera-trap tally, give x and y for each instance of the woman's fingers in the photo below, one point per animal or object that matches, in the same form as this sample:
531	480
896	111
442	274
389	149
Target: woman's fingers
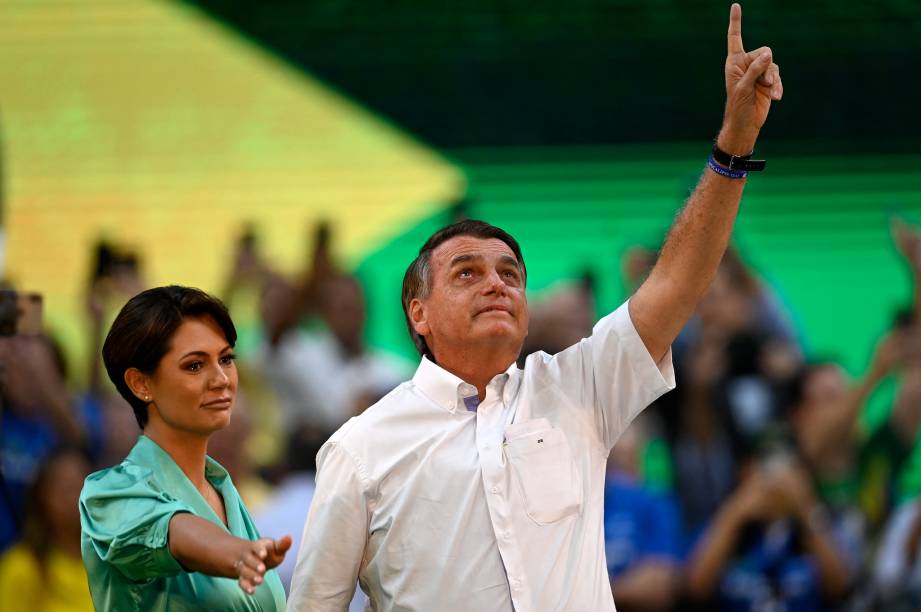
251	569
263	554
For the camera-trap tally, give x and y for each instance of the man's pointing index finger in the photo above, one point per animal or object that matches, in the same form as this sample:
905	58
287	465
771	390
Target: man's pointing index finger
735	29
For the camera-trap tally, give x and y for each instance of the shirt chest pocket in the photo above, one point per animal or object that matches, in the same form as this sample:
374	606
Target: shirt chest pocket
543	471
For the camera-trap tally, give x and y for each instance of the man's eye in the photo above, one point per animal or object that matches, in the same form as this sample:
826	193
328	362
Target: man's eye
465	274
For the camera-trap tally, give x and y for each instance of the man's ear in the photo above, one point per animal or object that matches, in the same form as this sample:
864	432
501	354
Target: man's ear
418	314
139	383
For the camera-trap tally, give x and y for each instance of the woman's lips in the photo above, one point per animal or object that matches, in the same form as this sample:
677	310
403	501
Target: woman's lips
219	404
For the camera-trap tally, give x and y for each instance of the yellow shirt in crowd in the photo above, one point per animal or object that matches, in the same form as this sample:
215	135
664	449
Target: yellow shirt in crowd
23	586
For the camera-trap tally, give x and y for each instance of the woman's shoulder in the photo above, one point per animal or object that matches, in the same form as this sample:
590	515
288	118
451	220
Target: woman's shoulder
142	467
123	477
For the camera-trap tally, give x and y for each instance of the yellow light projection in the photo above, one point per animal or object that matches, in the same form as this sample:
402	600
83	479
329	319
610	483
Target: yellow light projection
148	123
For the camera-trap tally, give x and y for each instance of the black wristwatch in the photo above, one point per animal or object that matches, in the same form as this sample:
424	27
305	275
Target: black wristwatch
744	163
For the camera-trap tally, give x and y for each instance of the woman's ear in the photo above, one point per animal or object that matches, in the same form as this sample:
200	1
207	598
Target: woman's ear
139	383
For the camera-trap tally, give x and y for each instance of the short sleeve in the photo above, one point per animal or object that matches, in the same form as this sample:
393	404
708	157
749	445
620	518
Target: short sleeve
612	373
125	515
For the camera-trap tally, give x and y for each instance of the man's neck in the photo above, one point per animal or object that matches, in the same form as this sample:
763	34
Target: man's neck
477	368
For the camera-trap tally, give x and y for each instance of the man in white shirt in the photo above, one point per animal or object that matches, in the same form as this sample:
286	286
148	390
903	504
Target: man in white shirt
477	485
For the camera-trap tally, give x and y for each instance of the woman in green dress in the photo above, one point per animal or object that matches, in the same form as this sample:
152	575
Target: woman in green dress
166	529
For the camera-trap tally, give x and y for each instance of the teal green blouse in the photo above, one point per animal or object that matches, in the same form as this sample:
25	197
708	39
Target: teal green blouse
125	512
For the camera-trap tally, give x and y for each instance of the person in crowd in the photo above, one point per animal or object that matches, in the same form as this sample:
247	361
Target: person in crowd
770	545
116	277
322	377
703	453
857	465
37	415
896	573
736	359
825	414
563	317
636	264
479	485
642	529
44	571
166	528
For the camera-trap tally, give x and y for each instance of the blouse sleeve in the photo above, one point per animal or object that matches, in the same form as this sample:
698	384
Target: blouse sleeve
125	515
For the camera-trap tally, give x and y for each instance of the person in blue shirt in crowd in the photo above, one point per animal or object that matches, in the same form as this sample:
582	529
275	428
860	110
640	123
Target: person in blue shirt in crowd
642	529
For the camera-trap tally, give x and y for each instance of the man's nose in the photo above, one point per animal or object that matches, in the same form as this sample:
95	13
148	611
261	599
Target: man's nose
495	284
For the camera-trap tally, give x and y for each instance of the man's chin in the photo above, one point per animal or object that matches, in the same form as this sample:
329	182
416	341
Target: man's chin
499	331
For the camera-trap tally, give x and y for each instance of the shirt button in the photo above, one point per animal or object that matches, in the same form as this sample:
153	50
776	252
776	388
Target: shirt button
507	535
515	583
495	489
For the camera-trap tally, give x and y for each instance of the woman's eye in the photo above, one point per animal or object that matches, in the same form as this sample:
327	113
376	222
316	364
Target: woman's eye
195	366
226	360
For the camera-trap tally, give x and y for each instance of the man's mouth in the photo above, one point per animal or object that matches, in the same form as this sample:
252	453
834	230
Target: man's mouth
495	308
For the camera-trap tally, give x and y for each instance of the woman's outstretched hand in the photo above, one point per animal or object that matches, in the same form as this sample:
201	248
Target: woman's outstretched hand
256	558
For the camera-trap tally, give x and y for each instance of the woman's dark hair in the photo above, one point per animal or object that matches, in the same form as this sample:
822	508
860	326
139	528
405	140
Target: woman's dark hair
142	331
417	282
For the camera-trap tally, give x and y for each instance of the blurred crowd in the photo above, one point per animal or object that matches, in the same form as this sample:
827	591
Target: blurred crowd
755	486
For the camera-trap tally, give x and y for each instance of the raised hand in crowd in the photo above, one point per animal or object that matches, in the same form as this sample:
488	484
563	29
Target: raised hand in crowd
773	491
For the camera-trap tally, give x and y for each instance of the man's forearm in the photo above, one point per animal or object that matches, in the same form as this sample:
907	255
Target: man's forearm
698	238
688	261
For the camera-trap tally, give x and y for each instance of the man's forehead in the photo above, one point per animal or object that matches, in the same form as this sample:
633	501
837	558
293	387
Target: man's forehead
459	246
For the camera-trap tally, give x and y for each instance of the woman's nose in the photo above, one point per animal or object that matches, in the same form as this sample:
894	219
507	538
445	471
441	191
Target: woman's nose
219	378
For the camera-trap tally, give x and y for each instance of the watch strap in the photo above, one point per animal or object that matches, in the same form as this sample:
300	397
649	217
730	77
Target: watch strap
743	163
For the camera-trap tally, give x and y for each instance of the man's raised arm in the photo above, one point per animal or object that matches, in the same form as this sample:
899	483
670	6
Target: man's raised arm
698	237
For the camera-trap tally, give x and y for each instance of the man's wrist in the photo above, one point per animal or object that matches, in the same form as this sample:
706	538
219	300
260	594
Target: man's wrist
736	143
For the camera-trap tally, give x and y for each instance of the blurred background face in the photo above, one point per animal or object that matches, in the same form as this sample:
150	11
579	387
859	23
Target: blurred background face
274	304
59	494
825	385
343	305
27	363
195	384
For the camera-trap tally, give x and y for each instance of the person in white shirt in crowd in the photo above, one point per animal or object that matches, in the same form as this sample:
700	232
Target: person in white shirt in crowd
478	485
323	377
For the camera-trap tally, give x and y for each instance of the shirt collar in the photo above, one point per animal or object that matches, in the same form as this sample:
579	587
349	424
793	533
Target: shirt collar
148	453
452	393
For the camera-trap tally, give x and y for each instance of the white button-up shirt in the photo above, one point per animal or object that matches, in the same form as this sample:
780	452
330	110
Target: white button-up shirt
433	501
